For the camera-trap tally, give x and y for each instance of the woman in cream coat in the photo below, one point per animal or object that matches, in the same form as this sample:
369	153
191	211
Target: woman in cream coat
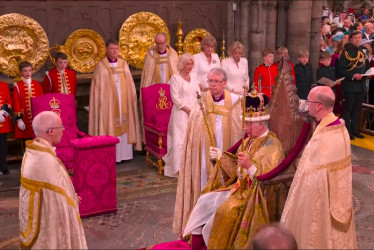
183	89
236	68
205	61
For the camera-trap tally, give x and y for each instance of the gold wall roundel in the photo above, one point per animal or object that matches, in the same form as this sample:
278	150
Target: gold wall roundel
21	39
84	47
137	35
193	39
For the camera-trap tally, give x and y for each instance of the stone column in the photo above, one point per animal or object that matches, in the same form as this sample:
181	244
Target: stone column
244	29
256	42
315	33
299	27
281	24
271	24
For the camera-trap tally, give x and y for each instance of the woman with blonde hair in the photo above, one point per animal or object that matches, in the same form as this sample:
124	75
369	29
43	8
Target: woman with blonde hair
183	89
205	61
236	68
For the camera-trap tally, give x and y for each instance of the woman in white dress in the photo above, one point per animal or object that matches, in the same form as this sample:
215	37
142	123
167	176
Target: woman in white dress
183	89
205	61
236	68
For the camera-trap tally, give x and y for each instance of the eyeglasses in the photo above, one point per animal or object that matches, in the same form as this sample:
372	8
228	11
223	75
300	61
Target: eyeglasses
62	126
159	44
210	82
312	101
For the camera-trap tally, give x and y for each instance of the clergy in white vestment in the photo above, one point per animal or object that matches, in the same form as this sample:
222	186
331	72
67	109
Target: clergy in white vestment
222	117
113	103
48	205
319	206
205	61
236	68
183	89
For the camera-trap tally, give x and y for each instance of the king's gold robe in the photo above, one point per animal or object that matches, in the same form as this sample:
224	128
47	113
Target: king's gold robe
318	210
109	115
239	212
190	172
48	210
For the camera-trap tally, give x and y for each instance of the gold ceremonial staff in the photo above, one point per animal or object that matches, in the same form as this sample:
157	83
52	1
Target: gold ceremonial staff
215	162
245	91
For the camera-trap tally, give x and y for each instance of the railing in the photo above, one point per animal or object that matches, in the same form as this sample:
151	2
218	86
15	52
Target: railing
367	119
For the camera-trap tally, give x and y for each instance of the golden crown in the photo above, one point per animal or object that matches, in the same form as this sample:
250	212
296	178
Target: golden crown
161	92
256	106
54	103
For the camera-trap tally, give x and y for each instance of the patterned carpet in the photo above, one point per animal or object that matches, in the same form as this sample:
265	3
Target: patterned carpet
146	205
145	209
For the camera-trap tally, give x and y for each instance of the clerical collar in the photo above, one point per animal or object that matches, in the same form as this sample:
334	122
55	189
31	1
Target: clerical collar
111	61
222	97
162	53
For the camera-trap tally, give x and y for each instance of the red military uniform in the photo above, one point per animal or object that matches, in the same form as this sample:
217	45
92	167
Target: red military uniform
267	74
5	99
54	82
22	106
293	71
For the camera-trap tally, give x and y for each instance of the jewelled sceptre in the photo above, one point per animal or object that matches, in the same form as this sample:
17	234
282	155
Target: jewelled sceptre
240	169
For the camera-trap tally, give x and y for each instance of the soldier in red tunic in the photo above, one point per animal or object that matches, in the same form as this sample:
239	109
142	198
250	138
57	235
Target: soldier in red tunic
23	91
264	77
60	79
5	125
281	52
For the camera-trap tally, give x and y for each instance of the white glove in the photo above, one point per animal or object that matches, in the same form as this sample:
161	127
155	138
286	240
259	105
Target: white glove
3	113
215	153
21	125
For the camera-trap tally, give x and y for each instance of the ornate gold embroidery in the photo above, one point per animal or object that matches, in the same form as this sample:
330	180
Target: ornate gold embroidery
162	100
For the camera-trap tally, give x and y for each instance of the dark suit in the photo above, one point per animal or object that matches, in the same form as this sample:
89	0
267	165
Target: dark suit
304	79
351	61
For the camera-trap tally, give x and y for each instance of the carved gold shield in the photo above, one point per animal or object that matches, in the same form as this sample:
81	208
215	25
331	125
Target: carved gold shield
84	47
137	35
21	39
191	43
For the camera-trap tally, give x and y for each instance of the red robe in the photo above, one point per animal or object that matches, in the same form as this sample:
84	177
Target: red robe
5	99
22	106
53	82
267	78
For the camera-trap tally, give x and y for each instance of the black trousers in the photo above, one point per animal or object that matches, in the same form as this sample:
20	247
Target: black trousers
352	111
3	152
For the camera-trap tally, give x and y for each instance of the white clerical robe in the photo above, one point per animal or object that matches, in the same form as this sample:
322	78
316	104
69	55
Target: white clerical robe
124	150
48	210
319	207
219	140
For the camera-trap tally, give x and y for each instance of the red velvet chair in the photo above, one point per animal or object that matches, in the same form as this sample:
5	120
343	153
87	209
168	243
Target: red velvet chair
90	160
157	105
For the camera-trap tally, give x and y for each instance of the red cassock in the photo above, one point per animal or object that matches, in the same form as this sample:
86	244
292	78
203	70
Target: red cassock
53	82
5	99
267	74
22	106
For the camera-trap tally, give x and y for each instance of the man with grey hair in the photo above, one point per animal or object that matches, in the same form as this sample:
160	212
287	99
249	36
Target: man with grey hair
369	30
217	125
319	207
160	62
48	205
